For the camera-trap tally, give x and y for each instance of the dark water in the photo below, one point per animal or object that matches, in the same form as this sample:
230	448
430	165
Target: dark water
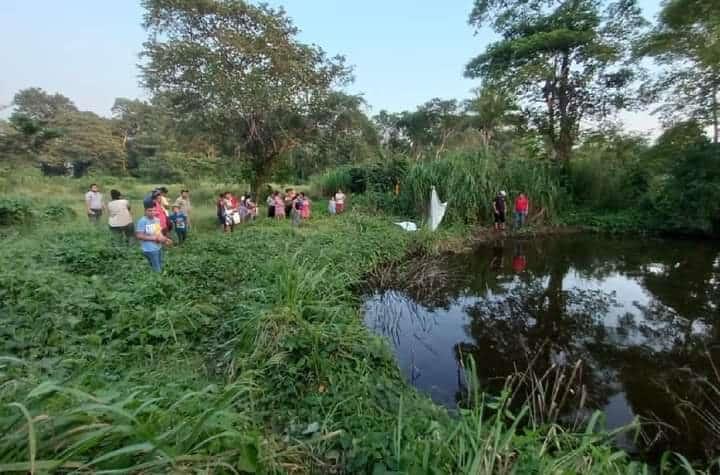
642	314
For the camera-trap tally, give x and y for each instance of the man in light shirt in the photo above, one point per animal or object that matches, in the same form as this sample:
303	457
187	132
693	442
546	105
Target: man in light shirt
94	204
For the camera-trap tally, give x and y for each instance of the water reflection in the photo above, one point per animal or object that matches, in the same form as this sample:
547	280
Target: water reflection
639	314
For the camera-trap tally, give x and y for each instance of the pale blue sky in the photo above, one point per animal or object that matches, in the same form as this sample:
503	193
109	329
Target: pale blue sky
405	52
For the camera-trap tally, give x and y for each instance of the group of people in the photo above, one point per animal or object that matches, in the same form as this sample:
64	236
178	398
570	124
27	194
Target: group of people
160	219
520	210
153	229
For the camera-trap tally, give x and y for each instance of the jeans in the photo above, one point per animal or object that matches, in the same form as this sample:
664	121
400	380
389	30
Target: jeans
155	258
181	235
520	219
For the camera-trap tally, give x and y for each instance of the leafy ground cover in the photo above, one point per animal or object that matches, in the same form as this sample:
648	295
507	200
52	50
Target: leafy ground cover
246	355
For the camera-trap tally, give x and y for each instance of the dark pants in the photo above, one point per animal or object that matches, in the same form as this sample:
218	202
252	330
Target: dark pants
126	233
94	216
271	211
181	235
155	258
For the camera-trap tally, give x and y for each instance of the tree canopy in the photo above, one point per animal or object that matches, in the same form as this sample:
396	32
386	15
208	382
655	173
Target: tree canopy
239	70
565	59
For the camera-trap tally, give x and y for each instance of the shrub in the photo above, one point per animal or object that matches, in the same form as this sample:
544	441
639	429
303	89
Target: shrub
15	210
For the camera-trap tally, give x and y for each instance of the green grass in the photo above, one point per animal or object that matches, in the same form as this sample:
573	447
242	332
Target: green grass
247	354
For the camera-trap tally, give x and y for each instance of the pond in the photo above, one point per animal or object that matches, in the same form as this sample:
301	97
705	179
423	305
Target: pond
641	314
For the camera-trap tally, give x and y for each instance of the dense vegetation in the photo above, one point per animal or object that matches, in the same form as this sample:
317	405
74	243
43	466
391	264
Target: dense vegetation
235	362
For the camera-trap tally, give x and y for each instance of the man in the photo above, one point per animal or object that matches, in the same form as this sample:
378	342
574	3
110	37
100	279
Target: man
183	202
149	232
94	204
522	207
499	209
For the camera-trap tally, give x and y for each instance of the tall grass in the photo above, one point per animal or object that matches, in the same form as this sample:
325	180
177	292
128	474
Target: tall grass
470	182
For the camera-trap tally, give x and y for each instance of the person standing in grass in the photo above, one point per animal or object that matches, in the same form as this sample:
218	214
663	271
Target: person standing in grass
296	210
120	220
271	204
339	202
160	212
332	208
183	201
94	204
180	223
499	209
279	207
306	204
522	207
149	232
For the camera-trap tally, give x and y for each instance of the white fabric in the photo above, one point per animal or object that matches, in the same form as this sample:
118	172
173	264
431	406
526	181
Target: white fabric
437	210
408	226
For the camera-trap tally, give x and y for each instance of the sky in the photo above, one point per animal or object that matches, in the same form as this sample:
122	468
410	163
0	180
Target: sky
404	52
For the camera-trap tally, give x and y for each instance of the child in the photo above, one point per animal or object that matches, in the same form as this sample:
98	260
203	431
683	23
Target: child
331	205
179	220
279	207
149	232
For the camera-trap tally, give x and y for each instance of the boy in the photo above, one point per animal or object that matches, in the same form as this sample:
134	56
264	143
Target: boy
149	232
180	223
94	204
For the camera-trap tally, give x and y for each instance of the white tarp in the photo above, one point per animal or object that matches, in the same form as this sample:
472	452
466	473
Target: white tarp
437	210
408	226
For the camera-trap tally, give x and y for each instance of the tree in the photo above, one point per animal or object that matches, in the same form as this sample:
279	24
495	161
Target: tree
489	111
687	41
238	70
86	137
563	58
36	104
431	125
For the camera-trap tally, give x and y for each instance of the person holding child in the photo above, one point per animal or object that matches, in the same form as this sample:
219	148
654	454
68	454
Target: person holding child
148	231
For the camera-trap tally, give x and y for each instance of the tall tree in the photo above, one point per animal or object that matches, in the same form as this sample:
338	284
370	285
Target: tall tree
239	70
686	40
565	59
489	111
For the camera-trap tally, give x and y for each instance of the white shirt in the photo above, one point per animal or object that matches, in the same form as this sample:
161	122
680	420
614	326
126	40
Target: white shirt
119	213
93	199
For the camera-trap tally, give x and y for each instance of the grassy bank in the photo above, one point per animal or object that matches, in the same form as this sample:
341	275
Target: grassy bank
247	354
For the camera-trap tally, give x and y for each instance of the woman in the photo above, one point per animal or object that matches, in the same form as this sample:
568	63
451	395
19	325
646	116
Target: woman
160	213
120	220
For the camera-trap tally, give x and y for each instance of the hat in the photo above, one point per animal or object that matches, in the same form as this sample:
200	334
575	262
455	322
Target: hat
502	193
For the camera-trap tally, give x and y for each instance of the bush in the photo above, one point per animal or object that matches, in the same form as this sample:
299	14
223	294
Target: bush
15	210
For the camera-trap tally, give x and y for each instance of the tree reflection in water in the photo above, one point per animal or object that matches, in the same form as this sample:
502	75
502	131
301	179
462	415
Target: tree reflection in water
638	314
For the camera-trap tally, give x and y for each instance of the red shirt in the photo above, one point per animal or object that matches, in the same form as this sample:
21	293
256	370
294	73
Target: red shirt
522	204
161	215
